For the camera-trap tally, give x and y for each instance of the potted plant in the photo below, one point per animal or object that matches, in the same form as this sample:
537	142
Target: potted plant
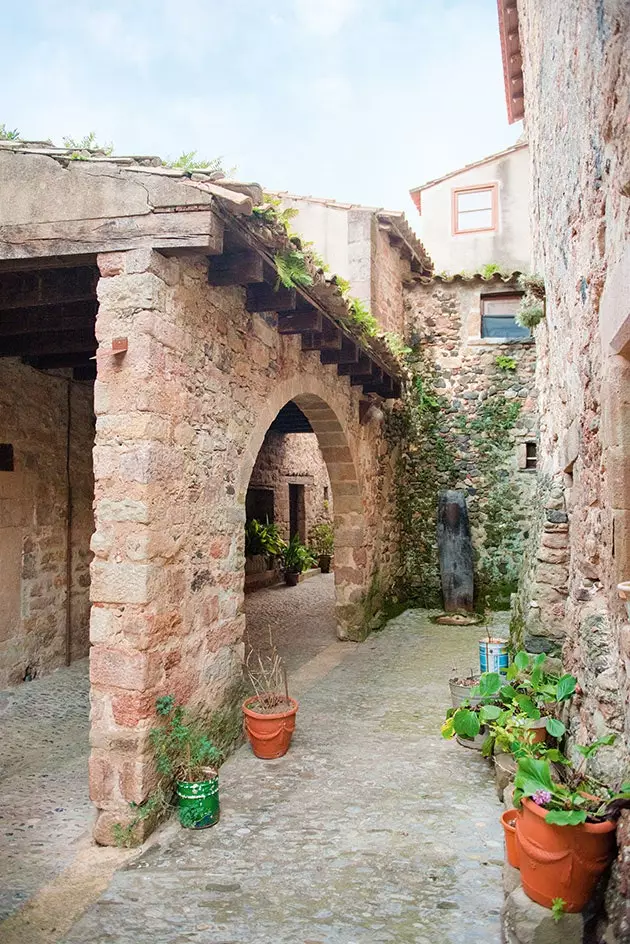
269	712
566	831
184	754
263	546
322	545
296	559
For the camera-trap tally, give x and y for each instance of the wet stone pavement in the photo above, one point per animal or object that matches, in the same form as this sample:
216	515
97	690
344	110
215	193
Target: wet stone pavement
371	829
44	803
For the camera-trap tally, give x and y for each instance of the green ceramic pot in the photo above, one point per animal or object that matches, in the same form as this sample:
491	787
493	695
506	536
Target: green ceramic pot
198	803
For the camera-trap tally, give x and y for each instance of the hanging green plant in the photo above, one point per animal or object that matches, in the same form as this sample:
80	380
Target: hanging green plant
530	312
292	269
361	316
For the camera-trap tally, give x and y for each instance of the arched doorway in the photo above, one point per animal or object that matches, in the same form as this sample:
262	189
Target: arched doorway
350	558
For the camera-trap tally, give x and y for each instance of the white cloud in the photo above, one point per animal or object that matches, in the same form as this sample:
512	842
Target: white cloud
325	17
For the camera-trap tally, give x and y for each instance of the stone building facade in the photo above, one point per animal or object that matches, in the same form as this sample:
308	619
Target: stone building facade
294	460
197	351
487	423
576	71
46	520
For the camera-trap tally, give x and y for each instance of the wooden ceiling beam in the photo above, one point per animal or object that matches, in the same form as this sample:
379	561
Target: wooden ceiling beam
347	354
236	268
48	342
264	297
63	317
298	322
47	287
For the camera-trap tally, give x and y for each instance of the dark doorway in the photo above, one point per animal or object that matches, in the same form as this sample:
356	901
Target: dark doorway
259	505
297	512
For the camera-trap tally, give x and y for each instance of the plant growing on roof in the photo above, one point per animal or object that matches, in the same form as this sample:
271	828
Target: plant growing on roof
188	160
490	269
292	269
361	316
87	143
6	135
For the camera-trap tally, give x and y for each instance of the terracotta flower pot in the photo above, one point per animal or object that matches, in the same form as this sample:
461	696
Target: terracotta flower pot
561	861
269	734
537	731
508	821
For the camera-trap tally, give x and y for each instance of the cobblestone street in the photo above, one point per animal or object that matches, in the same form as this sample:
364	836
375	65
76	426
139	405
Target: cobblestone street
371	829
45	808
301	619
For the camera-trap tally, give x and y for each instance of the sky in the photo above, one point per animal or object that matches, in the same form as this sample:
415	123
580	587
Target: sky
356	100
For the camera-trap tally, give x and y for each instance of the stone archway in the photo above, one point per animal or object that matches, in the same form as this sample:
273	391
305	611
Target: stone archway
350	556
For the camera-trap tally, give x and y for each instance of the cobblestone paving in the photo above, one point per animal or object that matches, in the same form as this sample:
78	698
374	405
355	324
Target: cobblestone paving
44	805
301	619
371	829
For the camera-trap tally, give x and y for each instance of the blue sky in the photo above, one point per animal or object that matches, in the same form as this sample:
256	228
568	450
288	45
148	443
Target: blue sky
353	99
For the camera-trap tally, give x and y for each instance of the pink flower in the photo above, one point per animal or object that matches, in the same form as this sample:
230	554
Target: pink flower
541	797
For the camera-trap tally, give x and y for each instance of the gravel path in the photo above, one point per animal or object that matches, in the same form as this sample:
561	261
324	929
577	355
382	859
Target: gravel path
371	829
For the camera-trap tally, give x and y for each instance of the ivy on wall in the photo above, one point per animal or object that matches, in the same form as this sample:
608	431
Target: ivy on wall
426	430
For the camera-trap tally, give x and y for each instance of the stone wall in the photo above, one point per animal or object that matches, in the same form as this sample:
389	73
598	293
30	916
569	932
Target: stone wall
577	91
484	416
181	418
297	459
390	271
34	520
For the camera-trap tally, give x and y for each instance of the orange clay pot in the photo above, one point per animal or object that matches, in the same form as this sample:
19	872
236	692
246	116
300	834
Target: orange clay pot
508	821
269	734
561	861
537	734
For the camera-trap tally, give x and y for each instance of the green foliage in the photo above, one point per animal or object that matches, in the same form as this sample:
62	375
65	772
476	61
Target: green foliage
361	316
188	160
557	908
397	345
530	312
182	748
322	539
578	800
492	268
296	557
87	143
425	466
343	285
292	269
6	135
504	362
263	539
154	807
591	749
532	285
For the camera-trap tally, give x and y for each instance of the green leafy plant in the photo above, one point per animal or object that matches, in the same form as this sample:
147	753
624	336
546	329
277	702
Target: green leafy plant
296	557
263	539
492	268
6	135
397	344
530	312
557	908
322	539
87	143
361	316
504	362
578	800
183	751
188	160
292	269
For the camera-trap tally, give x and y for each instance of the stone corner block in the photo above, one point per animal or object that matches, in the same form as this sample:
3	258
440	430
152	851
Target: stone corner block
526	922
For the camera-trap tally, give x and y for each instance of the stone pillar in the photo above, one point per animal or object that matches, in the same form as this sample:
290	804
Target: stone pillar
137	580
